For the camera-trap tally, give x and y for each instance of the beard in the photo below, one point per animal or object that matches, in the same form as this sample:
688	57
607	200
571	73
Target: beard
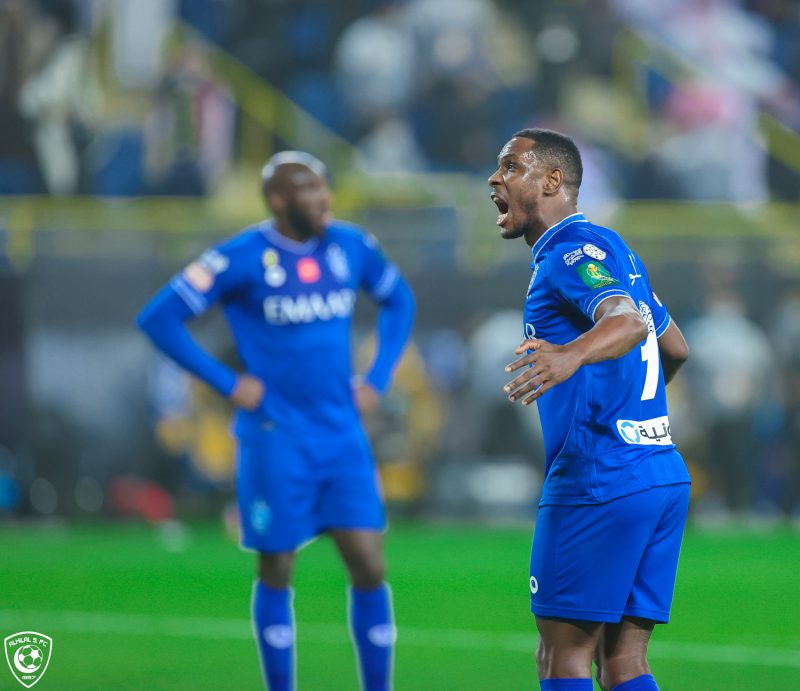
302	223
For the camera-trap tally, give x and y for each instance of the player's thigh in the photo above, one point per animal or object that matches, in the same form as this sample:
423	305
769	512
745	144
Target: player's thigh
276	493
654	584
351	498
585	558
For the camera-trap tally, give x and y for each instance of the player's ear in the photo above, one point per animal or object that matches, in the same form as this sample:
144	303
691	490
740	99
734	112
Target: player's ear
553	181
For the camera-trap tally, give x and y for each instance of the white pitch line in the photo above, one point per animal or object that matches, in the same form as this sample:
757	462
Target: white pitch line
463	639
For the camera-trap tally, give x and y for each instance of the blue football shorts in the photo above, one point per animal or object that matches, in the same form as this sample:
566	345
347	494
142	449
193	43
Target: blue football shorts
602	561
292	488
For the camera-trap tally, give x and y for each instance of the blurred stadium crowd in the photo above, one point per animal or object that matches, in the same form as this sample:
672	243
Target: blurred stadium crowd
681	100
415	84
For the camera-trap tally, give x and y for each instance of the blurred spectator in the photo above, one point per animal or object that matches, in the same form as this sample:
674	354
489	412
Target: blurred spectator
375	65
786	337
390	147
731	373
500	429
60	99
190	128
19	169
140	29
405	428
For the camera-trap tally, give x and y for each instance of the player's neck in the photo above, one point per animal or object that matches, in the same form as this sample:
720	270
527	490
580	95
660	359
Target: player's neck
286	229
547	219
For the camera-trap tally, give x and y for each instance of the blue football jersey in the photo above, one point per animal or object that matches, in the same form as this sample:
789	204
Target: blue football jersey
606	429
290	306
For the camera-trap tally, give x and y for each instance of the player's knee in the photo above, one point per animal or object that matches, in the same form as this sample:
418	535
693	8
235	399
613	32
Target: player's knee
622	667
275	570
556	660
368	572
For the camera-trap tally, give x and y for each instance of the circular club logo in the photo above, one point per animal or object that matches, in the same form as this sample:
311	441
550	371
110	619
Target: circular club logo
534	585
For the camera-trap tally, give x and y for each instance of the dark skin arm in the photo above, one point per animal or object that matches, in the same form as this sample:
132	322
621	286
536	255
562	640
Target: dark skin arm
673	351
619	328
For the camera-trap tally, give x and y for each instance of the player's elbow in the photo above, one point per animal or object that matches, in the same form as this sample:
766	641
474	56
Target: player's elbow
146	320
638	327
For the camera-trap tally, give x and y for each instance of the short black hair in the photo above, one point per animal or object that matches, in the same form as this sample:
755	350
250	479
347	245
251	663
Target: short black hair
558	150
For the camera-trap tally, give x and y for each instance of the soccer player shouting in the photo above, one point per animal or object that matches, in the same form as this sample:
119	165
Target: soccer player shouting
598	350
288	288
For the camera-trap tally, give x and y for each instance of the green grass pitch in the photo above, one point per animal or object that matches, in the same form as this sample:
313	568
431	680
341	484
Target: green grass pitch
129	610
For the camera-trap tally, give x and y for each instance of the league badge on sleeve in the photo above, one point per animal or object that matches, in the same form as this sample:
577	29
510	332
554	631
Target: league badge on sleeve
202	273
595	275
594	252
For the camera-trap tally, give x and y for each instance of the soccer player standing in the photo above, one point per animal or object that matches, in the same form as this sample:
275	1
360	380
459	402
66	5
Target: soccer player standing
598	350
288	289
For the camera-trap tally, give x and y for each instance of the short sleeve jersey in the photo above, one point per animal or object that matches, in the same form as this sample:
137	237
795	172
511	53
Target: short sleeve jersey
290	306
606	429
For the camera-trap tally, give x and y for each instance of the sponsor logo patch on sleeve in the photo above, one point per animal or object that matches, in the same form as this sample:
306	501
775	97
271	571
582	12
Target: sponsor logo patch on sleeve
595	275
200	277
573	257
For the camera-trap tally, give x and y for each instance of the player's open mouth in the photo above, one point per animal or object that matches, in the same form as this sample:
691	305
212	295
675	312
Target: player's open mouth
502	207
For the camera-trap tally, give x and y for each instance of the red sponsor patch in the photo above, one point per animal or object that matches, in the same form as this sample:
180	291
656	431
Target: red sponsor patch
308	270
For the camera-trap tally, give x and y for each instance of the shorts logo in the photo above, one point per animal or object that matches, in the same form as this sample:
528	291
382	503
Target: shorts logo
653	432
595	275
28	654
382	635
534	585
594	252
260	515
279	636
530	330
573	257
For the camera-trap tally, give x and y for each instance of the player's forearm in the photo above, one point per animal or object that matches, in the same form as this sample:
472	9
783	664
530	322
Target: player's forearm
394	329
616	333
673	351
162	320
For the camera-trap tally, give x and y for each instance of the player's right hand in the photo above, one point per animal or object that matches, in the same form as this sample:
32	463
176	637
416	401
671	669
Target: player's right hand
248	392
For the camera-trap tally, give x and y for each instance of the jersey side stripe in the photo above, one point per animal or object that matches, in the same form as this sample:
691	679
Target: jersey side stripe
386	283
197	304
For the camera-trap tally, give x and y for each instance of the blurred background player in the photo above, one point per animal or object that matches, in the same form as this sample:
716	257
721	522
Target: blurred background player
288	288
616	491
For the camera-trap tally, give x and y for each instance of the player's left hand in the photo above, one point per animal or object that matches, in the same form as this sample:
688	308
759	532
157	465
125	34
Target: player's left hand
367	398
550	364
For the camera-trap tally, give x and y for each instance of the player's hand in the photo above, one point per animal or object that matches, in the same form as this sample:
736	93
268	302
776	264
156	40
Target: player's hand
550	364
367	398
248	392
